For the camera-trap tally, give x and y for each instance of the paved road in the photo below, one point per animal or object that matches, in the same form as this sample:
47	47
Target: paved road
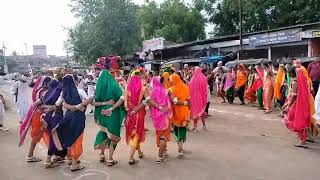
241	144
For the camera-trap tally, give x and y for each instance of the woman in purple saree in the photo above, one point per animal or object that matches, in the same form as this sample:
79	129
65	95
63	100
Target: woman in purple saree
52	116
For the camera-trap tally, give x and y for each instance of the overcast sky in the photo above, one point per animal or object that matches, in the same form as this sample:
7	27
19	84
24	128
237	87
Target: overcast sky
36	22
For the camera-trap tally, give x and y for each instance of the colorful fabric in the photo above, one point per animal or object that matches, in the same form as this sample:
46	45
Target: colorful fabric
134	123
297	118
180	133
110	126
230	95
180	91
163	135
72	125
166	83
278	83
267	91
52	118
313	121
198	88
259	97
76	149
160	96
37	93
229	80
242	76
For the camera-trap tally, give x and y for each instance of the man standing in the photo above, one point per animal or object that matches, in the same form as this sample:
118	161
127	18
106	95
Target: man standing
314	73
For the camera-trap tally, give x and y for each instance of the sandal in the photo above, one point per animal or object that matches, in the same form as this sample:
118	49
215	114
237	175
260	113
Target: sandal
133	161
76	167
205	128
58	159
159	160
180	155
51	164
70	162
33	159
102	158
267	112
141	156
111	162
301	146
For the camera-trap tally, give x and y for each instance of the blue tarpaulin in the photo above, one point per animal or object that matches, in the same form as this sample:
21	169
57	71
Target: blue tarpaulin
211	59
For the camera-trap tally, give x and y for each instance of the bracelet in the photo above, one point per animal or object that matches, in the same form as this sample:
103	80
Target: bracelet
111	109
122	97
78	106
175	100
185	103
148	98
160	108
104	103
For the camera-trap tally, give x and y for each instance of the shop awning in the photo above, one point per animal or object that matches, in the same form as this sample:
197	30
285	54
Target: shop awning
211	59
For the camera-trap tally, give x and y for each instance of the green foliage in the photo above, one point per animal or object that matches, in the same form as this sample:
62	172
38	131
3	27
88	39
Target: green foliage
105	27
173	20
258	14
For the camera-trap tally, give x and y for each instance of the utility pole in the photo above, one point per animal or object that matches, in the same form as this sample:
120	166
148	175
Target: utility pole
26	48
240	27
5	60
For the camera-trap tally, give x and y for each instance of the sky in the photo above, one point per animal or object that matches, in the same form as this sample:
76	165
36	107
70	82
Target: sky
25	23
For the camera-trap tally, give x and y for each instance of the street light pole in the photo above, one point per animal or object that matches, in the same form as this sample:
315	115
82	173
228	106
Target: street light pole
240	27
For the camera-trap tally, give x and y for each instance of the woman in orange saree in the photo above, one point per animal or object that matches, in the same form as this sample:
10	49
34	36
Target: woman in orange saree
267	88
179	95
250	93
241	81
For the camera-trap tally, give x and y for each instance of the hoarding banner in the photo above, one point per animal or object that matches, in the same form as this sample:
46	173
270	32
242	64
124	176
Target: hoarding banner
279	37
153	44
316	34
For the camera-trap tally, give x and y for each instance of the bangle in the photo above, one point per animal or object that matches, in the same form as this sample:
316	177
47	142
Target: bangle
104	103
160	108
185	103
111	109
122	97
78	106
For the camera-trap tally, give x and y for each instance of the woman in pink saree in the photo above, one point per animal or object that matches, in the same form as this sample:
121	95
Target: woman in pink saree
160	112
297	116
198	88
135	101
33	118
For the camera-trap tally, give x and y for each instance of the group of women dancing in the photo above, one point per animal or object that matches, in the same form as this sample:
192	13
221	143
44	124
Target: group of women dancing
57	114
286	88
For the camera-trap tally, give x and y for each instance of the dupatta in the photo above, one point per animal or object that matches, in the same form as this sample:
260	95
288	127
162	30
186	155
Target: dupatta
160	96
198	87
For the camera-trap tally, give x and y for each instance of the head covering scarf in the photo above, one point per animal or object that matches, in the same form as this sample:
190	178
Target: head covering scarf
198	88
73	123
242	76
181	92
108	89
160	96
298	116
53	92
229	80
134	89
278	83
166	83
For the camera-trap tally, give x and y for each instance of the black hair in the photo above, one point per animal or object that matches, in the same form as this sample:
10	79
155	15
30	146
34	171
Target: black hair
75	78
161	79
204	71
292	72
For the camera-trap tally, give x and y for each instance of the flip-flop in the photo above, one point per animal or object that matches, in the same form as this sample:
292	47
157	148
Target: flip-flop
102	158
133	161
77	167
111	162
141	156
33	159
301	146
51	165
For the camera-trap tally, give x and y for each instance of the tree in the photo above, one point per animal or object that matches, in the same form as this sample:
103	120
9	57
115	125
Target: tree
173	20
258	14
105	27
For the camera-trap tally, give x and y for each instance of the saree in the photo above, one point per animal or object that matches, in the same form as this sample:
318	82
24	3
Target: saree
34	114
278	83
181	113
52	118
198	88
134	123
250	93
267	90
166	83
160	119
70	129
242	76
297	119
228	86
110	126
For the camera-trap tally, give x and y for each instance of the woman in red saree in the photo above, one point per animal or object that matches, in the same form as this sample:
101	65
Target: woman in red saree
250	93
134	122
198	89
297	116
267	88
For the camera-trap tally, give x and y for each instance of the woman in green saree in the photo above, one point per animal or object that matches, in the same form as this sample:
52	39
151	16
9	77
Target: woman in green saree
109	114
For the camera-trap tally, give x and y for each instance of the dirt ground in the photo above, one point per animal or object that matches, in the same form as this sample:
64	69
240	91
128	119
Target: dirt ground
241	144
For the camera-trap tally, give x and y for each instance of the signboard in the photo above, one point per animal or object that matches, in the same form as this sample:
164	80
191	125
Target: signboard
147	67
153	44
279	37
316	34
